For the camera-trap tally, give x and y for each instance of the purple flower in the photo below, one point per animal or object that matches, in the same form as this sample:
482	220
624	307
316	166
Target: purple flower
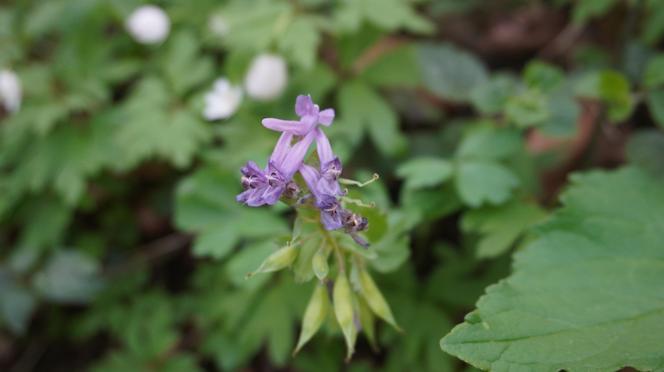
310	116
266	187
332	214
330	166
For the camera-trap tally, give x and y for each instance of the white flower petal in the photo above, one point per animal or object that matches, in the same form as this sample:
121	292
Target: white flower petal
267	77
148	24
222	101
10	90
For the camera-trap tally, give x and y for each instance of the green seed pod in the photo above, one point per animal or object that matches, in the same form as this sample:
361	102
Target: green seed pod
343	309
375	299
368	323
278	260
319	263
314	315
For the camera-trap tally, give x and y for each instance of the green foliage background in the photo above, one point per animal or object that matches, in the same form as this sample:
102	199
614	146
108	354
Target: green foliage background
122	247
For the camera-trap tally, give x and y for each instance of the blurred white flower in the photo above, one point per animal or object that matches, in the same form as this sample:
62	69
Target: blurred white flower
10	90
222	101
218	25
148	24
267	77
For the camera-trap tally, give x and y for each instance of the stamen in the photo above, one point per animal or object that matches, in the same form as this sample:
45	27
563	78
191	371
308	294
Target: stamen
346	181
358	202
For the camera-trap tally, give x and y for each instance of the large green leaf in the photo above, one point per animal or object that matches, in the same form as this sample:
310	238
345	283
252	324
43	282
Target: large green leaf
449	72
586	295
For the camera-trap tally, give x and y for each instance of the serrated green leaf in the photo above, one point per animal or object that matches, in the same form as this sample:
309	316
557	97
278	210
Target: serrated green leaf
487	142
480	182
586	294
501	226
654	73
425	172
361	107
300	41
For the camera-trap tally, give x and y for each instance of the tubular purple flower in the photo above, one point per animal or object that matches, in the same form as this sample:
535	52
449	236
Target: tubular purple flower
266	187
295	156
310	116
281	148
330	166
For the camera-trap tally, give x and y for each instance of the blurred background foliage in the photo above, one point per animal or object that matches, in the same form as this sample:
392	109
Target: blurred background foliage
123	248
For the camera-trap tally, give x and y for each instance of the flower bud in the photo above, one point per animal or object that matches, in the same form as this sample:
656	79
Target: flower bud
314	315
278	260
10	90
266	78
319	263
343	309
148	24
375	299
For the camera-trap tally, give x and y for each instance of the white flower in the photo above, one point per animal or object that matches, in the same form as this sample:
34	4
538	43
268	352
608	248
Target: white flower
222	101
10	90
148	24
267	77
218	25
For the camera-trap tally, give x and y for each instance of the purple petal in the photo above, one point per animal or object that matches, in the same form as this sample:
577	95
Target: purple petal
295	156
310	175
326	117
294	127
329	187
281	148
304	106
323	147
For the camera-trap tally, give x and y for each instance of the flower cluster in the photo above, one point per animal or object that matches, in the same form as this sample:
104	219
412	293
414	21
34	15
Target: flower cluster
267	186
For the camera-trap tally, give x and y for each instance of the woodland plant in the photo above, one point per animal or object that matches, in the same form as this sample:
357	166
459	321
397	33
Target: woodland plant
319	194
517	224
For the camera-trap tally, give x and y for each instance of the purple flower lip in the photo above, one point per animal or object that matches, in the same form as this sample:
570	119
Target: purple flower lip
310	116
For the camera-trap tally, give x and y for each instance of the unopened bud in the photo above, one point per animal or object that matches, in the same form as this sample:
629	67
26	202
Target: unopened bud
343	310
278	260
314	315
375	299
319	263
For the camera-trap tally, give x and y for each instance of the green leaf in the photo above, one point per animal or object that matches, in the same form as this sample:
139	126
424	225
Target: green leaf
255	25
449	72
542	76
527	109
397	67
184	66
480	182
68	277
155	127
205	203
654	73
425	172
491	96
612	88
300	41
16	303
586	294
645	148
393	14
563	115
501	226
362	107
655	100
487	142
587	9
